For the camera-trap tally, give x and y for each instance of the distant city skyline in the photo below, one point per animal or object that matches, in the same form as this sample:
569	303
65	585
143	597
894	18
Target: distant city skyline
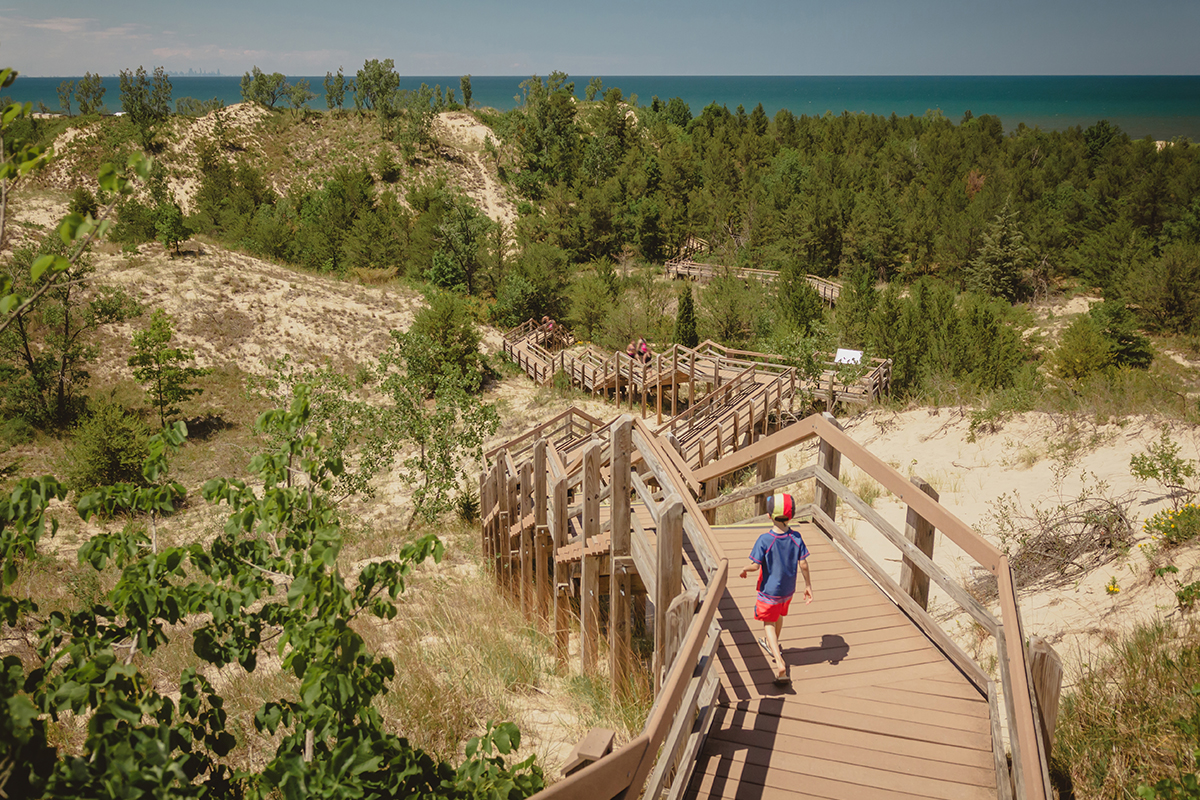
702	37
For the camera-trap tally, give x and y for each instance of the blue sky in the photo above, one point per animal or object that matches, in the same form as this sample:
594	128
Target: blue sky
612	37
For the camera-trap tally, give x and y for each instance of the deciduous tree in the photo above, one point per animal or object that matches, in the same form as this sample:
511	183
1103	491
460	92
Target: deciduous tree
167	372
335	90
169	225
48	348
376	82
66	90
298	94
262	88
464	83
89	94
270	583
146	101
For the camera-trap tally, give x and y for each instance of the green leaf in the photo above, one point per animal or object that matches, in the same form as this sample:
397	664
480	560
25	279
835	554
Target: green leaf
140	165
300	586
68	229
109	179
44	263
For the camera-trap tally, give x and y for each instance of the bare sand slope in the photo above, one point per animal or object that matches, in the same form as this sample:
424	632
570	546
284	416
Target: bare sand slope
236	309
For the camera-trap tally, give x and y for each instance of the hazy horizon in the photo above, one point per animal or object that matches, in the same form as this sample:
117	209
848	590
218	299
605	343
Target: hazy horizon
701	38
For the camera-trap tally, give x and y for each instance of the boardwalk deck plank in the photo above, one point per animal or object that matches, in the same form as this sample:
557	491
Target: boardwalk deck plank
875	709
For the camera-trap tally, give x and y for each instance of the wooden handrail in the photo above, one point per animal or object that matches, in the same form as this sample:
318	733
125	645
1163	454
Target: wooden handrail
1029	767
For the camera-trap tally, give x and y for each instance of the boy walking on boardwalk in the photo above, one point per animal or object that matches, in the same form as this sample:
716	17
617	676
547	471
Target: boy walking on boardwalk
778	553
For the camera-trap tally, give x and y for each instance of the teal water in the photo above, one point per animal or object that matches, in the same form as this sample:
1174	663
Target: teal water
1162	107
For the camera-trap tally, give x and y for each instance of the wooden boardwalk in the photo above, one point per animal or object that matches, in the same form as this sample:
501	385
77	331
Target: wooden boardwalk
685	267
883	702
874	710
659	385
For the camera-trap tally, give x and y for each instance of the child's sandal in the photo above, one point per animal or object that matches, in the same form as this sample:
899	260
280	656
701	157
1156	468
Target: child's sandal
766	648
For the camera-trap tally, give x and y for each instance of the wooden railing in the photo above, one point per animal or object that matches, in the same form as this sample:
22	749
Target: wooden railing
685	267
538	545
633	380
569	426
1030	775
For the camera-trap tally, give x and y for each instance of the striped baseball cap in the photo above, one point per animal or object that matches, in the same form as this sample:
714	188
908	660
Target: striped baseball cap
781	506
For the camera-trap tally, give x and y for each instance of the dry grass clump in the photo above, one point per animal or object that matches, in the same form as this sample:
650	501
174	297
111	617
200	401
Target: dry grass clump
1117	727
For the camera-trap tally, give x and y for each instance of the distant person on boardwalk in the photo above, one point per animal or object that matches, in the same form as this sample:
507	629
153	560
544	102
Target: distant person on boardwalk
776	556
643	350
631	351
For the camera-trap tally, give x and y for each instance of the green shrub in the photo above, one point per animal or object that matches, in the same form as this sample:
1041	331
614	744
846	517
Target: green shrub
1162	464
443	338
15	431
386	166
83	202
1171	526
1166	290
109	447
1082	351
136	223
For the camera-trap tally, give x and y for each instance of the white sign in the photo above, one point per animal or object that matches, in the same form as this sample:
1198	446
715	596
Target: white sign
848	357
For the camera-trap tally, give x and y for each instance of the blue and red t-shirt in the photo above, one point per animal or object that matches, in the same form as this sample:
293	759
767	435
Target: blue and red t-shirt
778	556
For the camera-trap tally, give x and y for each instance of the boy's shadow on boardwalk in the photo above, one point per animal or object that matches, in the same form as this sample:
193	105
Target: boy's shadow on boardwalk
833	648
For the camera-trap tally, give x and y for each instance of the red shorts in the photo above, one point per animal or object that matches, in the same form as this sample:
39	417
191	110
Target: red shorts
769	612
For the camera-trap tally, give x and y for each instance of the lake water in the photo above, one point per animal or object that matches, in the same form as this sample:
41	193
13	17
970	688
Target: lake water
1162	107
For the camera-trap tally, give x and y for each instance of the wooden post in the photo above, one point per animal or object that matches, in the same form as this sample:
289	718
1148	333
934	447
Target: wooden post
632	383
498	522
737	430
692	381
589	593
616	381
620	581
526	549
670	577
658	387
920	532
562	574
675	381
542	546
1046	669
753	421
679	617
766	471
831	460
710	493
502	551
645	387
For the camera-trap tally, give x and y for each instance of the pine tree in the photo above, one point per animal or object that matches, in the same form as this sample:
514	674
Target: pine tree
685	320
997	269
